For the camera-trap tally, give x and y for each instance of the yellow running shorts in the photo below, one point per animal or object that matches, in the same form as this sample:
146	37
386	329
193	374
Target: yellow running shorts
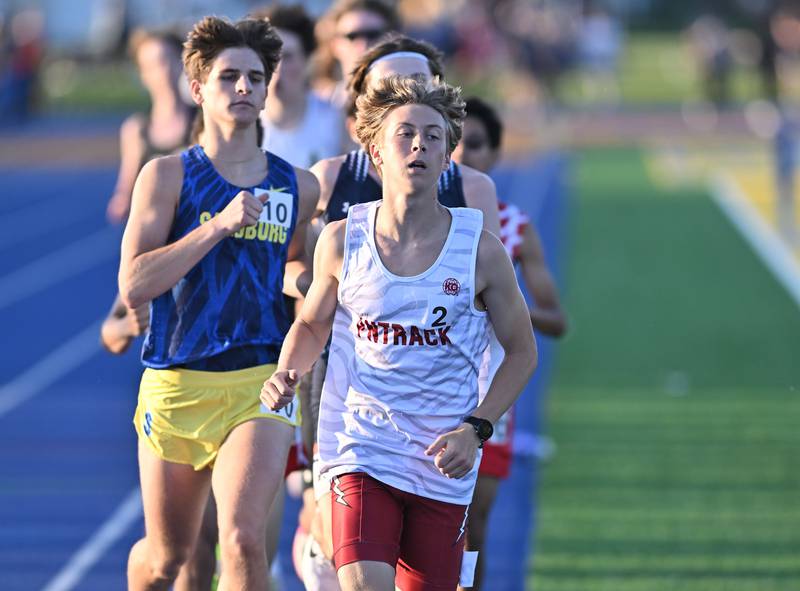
185	415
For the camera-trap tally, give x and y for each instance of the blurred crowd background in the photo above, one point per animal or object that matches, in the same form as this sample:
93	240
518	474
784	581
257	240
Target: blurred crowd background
720	65
706	55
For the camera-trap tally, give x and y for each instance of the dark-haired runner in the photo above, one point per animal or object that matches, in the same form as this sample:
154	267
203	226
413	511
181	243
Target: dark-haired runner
208	238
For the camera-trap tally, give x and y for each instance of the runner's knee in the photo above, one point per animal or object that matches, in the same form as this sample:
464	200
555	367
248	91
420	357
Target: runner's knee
242	542
164	566
366	576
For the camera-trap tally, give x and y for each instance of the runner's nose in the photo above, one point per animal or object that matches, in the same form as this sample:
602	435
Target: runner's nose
243	85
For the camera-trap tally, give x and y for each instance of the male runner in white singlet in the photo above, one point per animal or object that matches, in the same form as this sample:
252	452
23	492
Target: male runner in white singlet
409	287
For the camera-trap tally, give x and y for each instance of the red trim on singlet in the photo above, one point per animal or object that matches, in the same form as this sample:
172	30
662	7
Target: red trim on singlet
512	227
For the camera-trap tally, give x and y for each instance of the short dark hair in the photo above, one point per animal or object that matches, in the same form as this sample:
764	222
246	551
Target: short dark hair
394	43
292	18
487	114
383	9
212	35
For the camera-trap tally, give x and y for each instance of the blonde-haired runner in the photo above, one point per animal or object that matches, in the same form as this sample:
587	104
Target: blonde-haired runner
409	287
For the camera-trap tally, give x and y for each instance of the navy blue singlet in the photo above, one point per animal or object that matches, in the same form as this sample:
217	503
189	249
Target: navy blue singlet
355	185
228	312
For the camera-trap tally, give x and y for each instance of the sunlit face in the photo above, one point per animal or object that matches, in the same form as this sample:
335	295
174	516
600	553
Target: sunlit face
474	149
356	31
235	88
412	152
159	64
289	78
399	66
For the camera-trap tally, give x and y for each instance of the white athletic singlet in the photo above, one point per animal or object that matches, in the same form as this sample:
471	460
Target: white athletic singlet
317	136
404	361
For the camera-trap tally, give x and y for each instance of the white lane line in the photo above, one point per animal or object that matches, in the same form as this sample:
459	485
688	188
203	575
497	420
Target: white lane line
59	265
30	223
778	257
22	195
129	511
51	368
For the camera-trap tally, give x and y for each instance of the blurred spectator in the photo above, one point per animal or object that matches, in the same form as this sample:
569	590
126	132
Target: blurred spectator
785	33
708	42
599	46
767	55
786	154
784	26
165	128
542	35
348	29
478	40
432	21
23	49
107	24
298	125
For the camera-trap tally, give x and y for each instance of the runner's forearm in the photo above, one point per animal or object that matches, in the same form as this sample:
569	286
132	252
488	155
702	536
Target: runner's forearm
511	377
150	274
114	335
549	322
302	346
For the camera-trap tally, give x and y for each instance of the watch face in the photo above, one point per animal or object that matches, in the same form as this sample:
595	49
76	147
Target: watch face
485	430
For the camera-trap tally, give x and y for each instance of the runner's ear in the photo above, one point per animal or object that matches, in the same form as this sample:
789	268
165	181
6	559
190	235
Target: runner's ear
375	154
195	91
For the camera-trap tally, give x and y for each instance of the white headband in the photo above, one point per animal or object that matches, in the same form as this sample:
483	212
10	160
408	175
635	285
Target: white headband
398	55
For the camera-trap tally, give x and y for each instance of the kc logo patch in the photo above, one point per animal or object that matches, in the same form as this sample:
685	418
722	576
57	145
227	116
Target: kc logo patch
451	286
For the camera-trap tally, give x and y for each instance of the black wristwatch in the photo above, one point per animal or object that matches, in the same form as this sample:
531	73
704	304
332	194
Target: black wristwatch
483	428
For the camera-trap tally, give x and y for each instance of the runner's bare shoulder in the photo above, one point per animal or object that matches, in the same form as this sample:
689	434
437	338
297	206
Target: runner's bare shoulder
330	247
160	180
492	259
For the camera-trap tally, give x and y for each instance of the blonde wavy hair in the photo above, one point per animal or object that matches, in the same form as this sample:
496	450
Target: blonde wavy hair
391	92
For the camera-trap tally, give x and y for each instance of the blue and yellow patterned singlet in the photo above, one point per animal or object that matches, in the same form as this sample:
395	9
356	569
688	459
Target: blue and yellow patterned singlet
228	312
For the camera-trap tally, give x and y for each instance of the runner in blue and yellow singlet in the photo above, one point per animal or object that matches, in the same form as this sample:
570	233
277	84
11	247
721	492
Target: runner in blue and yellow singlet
209	238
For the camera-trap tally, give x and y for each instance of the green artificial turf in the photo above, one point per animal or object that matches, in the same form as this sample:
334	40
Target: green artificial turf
676	401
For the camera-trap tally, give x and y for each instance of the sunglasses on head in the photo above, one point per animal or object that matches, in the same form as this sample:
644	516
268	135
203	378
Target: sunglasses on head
367	34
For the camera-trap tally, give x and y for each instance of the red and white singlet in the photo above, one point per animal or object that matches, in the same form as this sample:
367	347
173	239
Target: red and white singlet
497	451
